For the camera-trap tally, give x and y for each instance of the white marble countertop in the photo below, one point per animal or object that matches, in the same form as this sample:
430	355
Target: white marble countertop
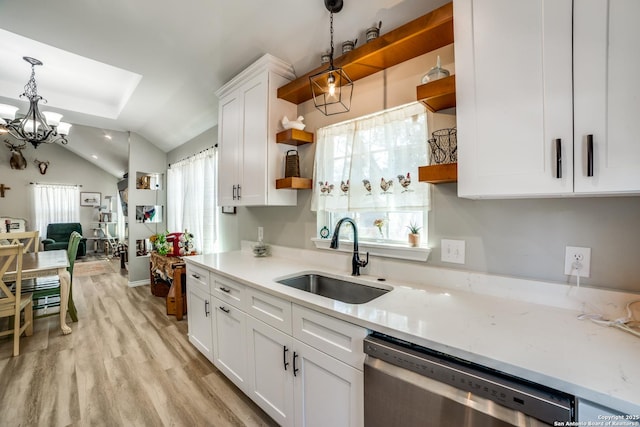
541	343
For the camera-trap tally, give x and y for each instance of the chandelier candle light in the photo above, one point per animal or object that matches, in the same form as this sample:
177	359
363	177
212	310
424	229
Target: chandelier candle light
35	127
332	89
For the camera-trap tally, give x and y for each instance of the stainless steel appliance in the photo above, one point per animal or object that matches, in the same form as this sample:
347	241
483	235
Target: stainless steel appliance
408	385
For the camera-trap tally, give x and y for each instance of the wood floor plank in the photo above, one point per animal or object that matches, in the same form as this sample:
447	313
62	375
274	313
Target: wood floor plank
97	396
136	406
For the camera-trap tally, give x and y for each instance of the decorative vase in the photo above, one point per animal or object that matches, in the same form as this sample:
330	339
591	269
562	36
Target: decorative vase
414	240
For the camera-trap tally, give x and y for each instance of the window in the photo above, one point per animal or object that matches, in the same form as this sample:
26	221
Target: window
55	203
191	198
367	169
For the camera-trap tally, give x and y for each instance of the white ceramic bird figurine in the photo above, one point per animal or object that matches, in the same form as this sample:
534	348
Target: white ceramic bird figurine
293	124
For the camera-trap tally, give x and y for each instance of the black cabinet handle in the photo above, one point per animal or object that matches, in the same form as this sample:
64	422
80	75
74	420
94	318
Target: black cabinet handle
206	308
223	289
238	191
558	158
284	357
195	276
589	155
234	192
295	370
223	308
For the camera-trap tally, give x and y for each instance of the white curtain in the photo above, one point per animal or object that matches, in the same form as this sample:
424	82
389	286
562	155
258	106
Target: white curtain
191	198
55	203
371	163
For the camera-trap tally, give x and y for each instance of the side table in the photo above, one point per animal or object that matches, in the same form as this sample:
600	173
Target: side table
166	280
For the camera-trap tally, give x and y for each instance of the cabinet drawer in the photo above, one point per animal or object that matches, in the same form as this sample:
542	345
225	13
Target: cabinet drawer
228	291
271	310
337	338
198	278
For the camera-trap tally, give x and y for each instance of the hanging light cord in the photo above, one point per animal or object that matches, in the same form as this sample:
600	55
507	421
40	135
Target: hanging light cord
331	32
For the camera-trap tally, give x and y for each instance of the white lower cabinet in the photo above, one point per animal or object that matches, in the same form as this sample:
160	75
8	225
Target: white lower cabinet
298	385
302	367
326	391
271	370
199	314
230	342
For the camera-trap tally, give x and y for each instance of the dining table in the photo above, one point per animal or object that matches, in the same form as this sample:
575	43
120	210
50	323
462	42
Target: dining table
44	264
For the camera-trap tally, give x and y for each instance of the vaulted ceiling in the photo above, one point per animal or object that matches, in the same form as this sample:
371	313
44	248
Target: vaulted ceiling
166	59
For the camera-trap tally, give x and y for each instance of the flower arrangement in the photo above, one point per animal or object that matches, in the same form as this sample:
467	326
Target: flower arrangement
379	223
160	243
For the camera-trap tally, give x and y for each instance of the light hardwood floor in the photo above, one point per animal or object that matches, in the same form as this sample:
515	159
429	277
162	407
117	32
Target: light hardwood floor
126	364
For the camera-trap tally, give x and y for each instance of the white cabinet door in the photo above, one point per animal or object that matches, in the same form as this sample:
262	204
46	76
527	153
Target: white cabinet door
230	346
253	166
327	391
271	370
229	149
514	97
199	320
607	95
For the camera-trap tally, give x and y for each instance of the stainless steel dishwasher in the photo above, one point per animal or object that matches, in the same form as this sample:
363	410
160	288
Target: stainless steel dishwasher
407	385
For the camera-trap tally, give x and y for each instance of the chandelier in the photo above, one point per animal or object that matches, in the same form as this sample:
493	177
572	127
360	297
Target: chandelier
332	89
35	127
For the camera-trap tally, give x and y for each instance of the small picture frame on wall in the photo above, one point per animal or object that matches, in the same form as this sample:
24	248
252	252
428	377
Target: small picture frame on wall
90	199
229	210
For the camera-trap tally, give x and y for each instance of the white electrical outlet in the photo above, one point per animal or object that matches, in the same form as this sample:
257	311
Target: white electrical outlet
577	257
260	234
452	251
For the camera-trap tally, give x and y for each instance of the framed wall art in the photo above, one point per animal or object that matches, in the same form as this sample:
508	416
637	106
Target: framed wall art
90	199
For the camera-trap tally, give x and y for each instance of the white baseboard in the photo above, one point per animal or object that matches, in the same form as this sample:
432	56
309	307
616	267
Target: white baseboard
139	283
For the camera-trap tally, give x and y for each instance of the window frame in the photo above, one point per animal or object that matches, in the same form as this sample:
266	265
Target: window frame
381	246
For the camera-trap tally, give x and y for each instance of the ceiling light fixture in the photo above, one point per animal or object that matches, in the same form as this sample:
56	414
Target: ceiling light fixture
35	127
332	89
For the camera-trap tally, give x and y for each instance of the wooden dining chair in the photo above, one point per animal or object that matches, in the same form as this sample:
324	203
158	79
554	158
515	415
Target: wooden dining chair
12	301
46	290
30	239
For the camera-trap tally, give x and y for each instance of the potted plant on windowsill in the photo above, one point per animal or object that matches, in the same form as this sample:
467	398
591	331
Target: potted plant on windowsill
414	235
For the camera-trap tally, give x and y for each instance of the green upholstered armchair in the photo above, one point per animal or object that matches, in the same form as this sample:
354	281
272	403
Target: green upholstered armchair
58	237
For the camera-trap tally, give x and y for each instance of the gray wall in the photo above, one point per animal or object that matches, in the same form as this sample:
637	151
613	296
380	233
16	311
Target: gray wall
65	167
521	238
144	157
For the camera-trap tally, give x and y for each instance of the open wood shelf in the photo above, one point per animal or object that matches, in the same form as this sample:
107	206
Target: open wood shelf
438	94
294	137
438	174
294	183
422	35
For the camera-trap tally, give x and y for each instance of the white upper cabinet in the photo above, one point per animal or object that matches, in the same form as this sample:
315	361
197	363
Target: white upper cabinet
249	111
513	96
516	65
607	95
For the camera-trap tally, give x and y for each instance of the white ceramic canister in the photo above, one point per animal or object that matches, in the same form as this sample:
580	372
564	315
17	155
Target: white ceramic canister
349	45
373	32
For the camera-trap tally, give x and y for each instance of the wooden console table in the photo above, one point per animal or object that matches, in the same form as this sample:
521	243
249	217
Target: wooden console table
166	274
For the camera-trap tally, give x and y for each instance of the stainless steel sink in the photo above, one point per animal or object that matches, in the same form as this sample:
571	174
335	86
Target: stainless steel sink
334	288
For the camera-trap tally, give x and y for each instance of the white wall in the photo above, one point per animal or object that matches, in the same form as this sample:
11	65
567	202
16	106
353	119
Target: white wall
522	238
